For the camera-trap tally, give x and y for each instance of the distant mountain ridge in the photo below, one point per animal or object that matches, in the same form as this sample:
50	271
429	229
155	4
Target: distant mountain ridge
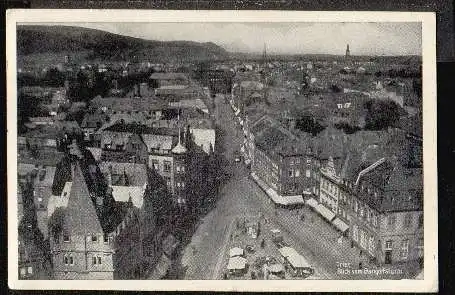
109	46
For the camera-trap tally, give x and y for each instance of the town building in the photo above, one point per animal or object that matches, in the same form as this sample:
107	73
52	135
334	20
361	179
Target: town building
32	261
81	249
386	217
218	80
167	79
282	165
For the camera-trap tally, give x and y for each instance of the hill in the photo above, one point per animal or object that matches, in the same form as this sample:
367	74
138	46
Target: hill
39	40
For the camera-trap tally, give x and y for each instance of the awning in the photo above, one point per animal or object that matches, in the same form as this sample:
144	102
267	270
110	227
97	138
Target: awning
236	263
340	224
292	200
276	198
294	258
326	213
236	252
312	203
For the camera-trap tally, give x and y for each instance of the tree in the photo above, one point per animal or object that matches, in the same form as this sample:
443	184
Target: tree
307	123
381	114
56	223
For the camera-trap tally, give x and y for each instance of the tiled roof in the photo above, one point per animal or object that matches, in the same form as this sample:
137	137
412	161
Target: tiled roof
128	104
169	76
401	189
81	218
136	174
154	141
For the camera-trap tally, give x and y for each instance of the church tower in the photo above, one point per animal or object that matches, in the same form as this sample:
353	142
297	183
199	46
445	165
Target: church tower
179	153
348	52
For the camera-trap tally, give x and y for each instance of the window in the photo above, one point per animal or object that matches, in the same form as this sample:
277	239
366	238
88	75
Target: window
297	172
177	168
388	245
291	162
71	260
308	173
94	238
308	161
178	184
404	249
363	239
355	232
155	164
94	260
297	161
291	172
99	259
183	185
420	247
65	260
167	166
66	238
408	220
356	206
23	271
391	221
371	246
182	169
105	239
168	182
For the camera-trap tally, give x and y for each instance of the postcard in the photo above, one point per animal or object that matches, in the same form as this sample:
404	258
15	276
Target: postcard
222	150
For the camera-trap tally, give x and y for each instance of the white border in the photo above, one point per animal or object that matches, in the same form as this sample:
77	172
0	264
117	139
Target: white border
428	19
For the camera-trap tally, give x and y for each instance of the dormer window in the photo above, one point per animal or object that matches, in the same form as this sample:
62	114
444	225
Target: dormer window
94	238
66	238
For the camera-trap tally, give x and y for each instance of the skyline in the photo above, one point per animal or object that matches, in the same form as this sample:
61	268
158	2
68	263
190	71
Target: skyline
280	38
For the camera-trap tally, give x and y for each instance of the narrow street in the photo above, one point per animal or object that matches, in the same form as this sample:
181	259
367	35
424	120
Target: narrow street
314	238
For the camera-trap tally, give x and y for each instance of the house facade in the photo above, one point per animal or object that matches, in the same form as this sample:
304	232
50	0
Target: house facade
81	250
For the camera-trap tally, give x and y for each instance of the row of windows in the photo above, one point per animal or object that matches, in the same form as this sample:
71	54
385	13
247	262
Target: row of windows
24	271
404	247
92	238
365	241
407	222
296	173
69	260
364	212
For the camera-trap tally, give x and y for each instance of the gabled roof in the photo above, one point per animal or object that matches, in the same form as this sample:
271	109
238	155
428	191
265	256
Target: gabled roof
81	218
136	174
155	141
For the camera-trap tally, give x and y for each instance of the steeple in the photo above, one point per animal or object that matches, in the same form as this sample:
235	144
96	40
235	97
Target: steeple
81	217
179	148
348	53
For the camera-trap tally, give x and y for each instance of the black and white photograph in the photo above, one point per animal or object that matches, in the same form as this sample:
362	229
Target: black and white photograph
217	149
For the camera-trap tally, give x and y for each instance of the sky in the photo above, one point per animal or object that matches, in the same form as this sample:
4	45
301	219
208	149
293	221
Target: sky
283	38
